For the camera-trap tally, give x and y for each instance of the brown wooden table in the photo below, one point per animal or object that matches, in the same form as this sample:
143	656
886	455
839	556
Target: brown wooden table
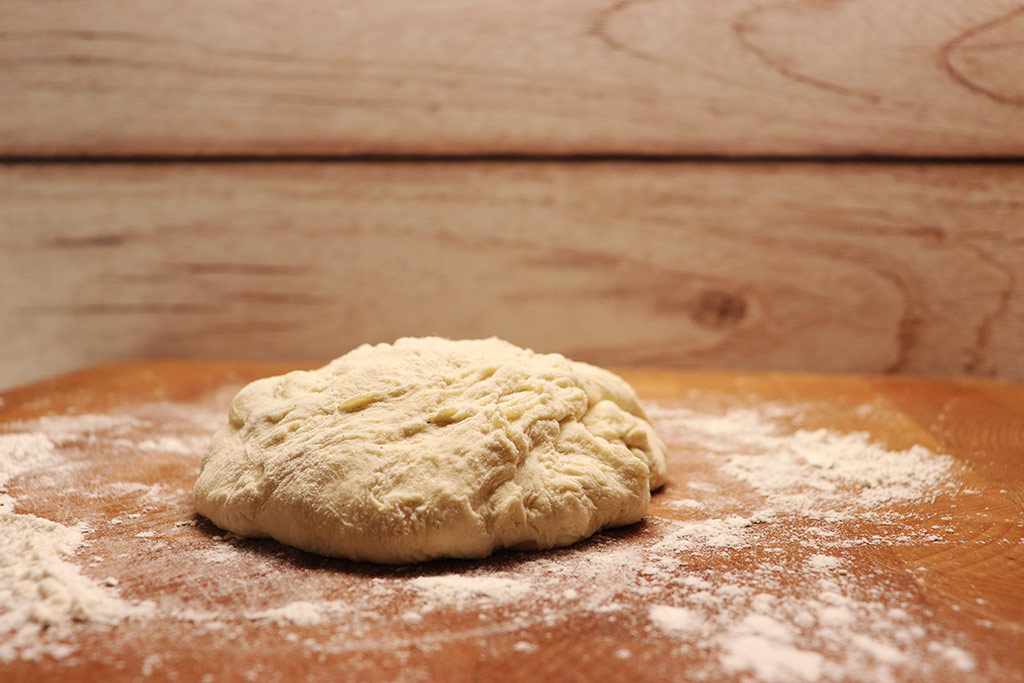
930	588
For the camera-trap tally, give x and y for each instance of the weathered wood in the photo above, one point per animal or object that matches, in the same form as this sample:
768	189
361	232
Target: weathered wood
813	267
97	77
945	567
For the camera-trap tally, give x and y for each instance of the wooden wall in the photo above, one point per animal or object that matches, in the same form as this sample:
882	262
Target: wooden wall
662	182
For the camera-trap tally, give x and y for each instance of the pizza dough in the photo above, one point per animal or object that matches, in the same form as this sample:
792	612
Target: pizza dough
432	448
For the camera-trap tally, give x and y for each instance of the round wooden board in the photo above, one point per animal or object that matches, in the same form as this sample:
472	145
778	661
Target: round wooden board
719	582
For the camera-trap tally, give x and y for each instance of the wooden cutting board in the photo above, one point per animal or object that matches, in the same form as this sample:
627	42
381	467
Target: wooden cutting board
727	577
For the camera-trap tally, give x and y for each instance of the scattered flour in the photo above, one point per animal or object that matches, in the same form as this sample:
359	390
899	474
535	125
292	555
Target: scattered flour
714	533
62	429
302	613
40	588
124	488
824	562
686	503
171	444
957	657
462	589
669	618
764	647
222	552
759	591
22	452
808	469
761	623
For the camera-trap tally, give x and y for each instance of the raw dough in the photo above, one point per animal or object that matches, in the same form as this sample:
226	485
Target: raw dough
432	448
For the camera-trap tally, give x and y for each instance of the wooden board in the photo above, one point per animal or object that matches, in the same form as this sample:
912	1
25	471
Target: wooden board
930	585
863	267
750	77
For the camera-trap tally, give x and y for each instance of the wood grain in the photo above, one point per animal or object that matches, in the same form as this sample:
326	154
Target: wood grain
950	563
873	268
747	77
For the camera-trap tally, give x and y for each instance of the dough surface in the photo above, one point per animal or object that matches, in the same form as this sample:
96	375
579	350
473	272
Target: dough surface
431	448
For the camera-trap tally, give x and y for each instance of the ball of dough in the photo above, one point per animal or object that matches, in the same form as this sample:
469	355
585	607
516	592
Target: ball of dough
431	448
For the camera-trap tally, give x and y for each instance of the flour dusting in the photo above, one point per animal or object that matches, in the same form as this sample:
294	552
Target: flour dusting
745	562
460	589
670	618
302	613
41	589
809	469
22	451
764	647
169	444
834	626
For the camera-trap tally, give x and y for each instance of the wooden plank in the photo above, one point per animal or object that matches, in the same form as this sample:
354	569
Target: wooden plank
911	589
868	268
748	77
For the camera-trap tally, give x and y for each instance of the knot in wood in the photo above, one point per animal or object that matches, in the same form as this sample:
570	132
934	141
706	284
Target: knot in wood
716	308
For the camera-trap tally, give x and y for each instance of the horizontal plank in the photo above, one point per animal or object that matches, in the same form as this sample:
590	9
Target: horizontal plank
863	267
735	77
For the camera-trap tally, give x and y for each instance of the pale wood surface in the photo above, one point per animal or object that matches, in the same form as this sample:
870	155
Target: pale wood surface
883	268
952	566
97	77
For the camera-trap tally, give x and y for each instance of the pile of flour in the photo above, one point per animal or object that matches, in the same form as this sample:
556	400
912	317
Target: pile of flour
807	469
40	588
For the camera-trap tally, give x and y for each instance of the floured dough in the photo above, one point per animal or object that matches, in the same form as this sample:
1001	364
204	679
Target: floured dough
432	448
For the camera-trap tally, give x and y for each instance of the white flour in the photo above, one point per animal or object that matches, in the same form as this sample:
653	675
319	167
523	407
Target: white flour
669	618
461	589
20	452
757	585
808	470
39	587
764	647
838	628
302	613
170	444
